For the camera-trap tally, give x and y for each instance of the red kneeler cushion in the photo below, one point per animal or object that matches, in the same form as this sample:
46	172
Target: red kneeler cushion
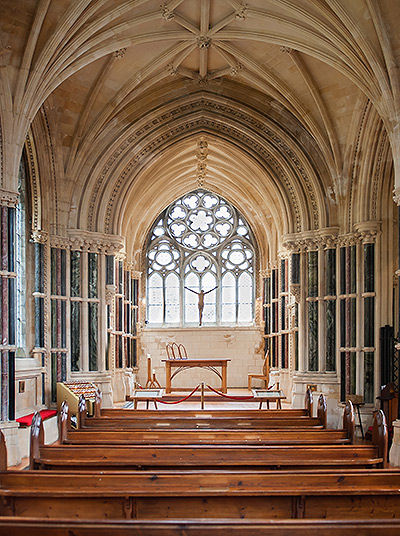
26	420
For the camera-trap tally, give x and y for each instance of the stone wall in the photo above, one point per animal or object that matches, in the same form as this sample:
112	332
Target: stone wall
239	344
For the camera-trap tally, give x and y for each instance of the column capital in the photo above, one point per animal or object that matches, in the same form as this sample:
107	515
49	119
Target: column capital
8	199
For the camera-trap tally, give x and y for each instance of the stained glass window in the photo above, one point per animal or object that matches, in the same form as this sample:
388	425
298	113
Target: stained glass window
200	243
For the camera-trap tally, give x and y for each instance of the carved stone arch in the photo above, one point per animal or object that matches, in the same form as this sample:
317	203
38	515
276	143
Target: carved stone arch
313	203
352	162
373	175
34	179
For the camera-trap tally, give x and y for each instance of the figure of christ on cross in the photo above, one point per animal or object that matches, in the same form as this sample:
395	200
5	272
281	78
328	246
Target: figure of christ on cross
200	305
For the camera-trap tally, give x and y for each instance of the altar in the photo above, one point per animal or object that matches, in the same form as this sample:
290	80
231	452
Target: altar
184	364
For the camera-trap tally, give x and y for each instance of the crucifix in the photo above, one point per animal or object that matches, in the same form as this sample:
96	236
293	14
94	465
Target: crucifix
200	305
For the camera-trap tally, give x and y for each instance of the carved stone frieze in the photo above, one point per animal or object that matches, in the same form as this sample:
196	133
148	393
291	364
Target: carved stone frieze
97	242
61	242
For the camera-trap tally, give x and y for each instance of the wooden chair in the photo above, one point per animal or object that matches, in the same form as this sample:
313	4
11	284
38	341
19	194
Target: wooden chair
176	351
264	376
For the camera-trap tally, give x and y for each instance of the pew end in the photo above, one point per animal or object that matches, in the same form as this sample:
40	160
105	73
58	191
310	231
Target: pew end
82	412
380	436
97	403
64	422
3	453
349	423
308	402
36	439
322	410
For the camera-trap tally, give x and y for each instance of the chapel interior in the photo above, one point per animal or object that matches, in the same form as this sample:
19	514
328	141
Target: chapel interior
219	174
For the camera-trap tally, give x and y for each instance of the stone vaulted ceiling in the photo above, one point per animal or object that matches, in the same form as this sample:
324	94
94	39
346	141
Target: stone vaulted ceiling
101	76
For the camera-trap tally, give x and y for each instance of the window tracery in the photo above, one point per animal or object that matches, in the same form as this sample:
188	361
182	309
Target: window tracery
200	242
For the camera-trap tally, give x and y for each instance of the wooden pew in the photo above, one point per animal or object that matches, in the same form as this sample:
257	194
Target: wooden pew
208	457
261	495
250	419
196	527
94	455
184	413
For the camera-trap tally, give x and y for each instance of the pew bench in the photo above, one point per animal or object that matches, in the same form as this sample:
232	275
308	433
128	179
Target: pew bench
198	437
216	422
65	457
261	495
19	526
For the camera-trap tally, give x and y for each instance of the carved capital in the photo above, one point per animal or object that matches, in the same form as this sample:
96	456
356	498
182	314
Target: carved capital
110	294
39	236
61	242
8	199
295	291
96	242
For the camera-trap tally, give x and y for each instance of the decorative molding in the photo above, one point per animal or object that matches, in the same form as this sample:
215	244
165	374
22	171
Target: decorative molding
8	199
97	242
30	150
217	124
201	155
311	240
61	242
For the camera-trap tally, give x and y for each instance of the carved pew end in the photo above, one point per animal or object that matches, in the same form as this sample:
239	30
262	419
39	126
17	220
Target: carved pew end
349	424
3	453
308	402
36	439
322	412
380	436
64	422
